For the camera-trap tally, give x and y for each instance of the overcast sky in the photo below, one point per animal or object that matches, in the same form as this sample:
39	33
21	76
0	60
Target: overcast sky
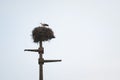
87	39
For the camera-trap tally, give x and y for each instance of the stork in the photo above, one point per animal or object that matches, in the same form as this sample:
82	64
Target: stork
44	25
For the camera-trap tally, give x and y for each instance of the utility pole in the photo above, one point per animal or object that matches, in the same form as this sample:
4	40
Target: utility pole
41	34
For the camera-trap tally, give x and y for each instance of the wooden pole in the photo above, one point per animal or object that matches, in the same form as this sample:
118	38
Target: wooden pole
41	72
41	61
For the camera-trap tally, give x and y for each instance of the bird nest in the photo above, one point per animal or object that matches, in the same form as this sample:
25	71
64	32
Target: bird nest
42	34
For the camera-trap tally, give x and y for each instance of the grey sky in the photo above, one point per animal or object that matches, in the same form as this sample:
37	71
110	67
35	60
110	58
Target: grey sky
87	39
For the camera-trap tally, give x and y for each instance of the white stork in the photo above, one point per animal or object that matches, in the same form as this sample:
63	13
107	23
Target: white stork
44	25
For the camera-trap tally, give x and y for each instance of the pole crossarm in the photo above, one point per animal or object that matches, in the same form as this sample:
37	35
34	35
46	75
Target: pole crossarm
46	61
32	50
41	60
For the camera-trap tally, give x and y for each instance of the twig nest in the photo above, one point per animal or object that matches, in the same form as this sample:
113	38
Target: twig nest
42	34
